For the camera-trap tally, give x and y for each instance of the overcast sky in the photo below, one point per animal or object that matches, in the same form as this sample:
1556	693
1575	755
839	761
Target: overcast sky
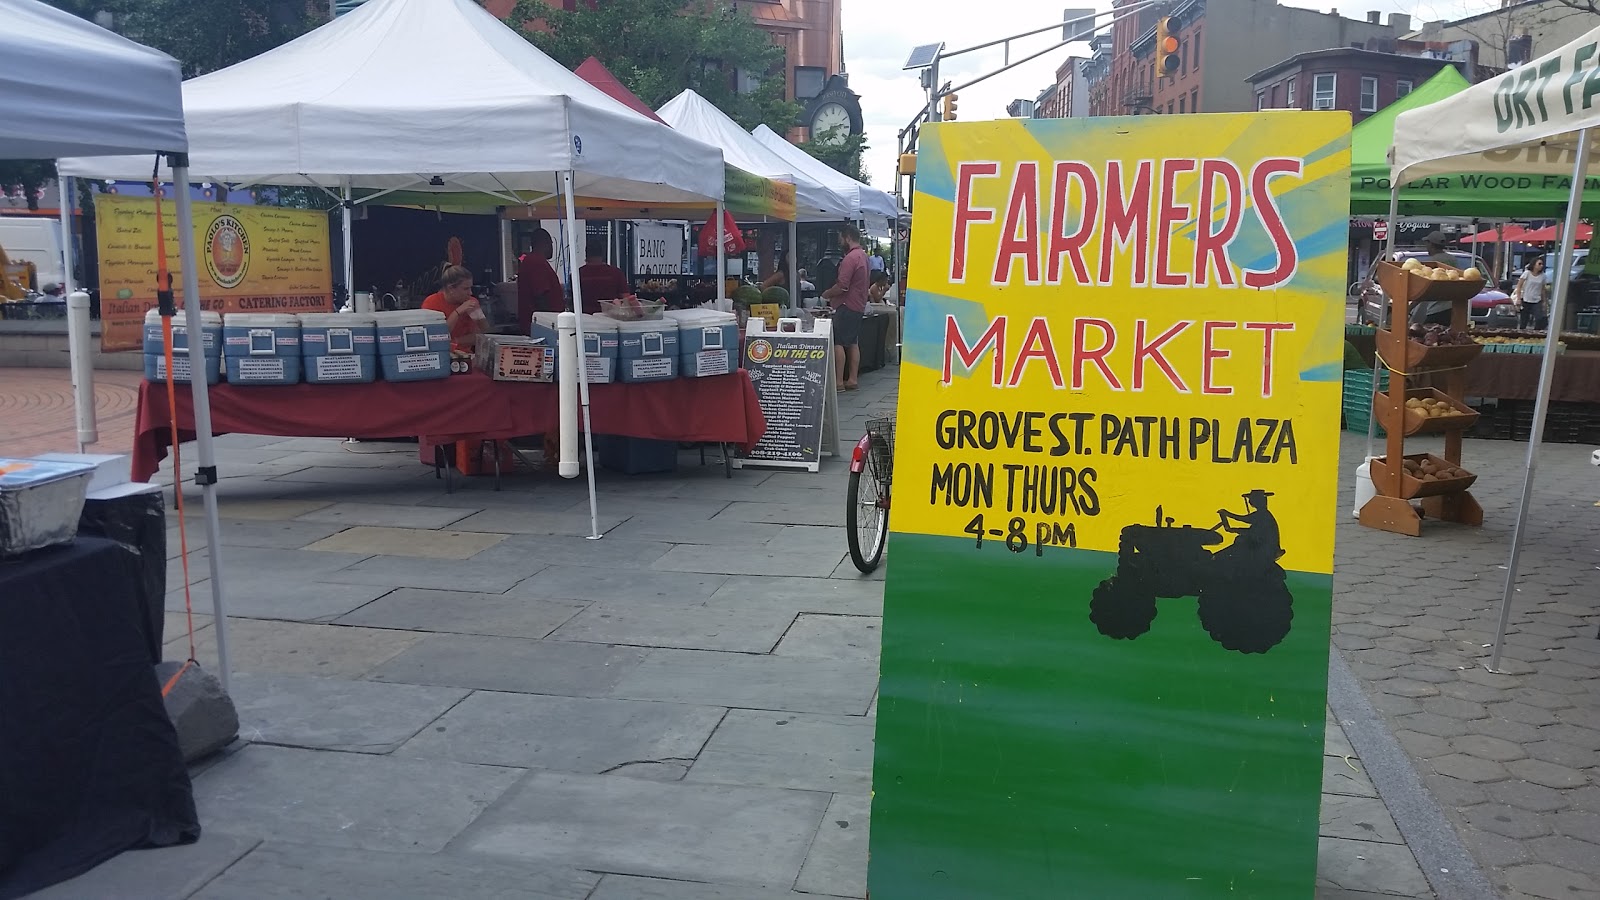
879	36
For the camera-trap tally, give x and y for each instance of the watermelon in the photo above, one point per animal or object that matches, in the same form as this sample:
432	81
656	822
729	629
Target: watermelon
775	294
747	294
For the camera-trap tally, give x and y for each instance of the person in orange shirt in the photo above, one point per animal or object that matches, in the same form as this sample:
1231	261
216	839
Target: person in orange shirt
454	299
599	279
538	288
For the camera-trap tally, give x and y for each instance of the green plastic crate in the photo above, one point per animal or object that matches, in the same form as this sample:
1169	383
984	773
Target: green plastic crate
1358	399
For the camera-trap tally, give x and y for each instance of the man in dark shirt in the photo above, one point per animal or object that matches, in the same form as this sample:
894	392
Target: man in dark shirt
848	297
538	288
599	279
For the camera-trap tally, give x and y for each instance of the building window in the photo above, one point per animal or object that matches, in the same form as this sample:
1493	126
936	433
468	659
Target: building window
746	83
1401	88
1182	103
1272	98
1261	100
808	81
1323	88
1183	57
1169	107
1194	100
1292	101
1195	62
1369	94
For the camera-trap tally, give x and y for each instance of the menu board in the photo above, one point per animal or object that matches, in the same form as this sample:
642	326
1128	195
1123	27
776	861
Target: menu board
793	376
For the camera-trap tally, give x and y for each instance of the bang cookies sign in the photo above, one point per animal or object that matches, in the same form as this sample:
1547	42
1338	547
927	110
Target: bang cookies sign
253	259
1106	622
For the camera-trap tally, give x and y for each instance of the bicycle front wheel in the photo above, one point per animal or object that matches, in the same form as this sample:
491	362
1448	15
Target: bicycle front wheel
866	515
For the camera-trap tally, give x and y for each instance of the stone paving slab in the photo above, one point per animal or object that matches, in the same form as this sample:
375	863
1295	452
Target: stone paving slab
435	574
336	478
335	713
670	529
265	534
838	686
789	750
277	595
566	734
384	515
749	561
370	540
460	612
799	595
738	835
518	521
270	510
825	510
630	887
620	585
170	873
615	551
566	668
692	628
297	648
280	871
837	863
1372	867
833	637
348	799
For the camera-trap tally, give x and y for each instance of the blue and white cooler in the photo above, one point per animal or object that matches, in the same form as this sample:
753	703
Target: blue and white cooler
261	348
155	356
413	345
708	342
339	348
648	350
600	341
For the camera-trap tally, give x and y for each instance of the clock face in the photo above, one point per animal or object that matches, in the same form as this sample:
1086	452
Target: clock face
831	123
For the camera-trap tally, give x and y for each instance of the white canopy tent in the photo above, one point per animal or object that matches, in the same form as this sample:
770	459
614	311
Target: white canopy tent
877	208
73	87
433	96
1538	118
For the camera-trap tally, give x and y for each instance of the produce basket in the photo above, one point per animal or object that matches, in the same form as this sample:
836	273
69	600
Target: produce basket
1416	421
1413	483
1399	284
1404	353
632	309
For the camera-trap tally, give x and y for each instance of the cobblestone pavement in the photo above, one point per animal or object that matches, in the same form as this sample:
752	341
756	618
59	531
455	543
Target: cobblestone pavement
456	695
36	411
1513	756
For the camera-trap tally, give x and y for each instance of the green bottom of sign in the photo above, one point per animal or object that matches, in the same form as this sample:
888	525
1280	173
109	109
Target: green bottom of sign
1021	753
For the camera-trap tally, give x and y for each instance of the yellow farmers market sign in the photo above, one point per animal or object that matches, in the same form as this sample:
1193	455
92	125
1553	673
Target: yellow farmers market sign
1107	610
253	259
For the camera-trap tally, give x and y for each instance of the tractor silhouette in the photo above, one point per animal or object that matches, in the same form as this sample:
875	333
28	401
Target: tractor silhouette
1244	600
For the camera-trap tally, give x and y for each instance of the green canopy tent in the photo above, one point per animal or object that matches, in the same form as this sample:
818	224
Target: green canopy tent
1495	195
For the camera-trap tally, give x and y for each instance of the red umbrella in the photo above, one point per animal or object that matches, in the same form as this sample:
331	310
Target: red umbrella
1512	232
1552	233
595	72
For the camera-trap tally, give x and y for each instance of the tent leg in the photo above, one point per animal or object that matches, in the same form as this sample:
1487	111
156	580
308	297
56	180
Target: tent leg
794	267
722	260
1377	363
207	474
1547	371
77	330
573	257
345	205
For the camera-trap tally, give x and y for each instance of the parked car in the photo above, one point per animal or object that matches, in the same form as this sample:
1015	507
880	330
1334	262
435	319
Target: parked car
1578	256
1490	309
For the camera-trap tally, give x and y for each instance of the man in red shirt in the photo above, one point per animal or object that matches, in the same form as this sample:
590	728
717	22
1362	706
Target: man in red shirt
599	279
538	288
848	297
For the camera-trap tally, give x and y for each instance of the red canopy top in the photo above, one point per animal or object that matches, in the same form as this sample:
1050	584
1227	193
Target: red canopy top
1553	232
595	72
1510	232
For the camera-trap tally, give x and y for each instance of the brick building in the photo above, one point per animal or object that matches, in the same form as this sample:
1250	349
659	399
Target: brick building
1356	80
1215	60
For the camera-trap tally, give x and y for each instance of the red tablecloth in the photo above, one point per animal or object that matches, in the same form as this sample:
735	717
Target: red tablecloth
719	409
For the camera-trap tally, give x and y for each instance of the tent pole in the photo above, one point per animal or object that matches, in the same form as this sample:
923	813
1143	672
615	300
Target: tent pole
206	475
1547	371
573	257
1377	361
722	259
794	267
77	329
345	205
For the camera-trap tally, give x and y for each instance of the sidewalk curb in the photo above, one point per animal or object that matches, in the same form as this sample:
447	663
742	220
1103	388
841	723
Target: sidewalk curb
1445	861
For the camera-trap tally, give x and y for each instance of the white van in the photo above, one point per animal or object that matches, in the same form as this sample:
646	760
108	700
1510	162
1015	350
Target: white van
34	239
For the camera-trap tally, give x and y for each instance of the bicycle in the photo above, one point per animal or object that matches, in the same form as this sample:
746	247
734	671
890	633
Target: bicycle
867	511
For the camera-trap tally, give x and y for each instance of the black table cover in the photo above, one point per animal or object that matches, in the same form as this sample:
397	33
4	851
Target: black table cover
89	761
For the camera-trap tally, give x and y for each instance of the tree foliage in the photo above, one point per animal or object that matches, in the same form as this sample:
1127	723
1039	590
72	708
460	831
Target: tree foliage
840	150
28	174
660	47
206	35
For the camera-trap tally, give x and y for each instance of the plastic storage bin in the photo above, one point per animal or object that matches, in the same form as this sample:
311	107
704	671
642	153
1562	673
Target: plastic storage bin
413	345
647	351
708	342
636	456
339	348
210	324
261	348
600	339
155	368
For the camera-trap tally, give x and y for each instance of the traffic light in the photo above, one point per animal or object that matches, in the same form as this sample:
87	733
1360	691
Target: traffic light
947	109
1167	28
908	164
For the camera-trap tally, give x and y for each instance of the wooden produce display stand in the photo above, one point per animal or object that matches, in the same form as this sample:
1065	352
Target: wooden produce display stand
1439	483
